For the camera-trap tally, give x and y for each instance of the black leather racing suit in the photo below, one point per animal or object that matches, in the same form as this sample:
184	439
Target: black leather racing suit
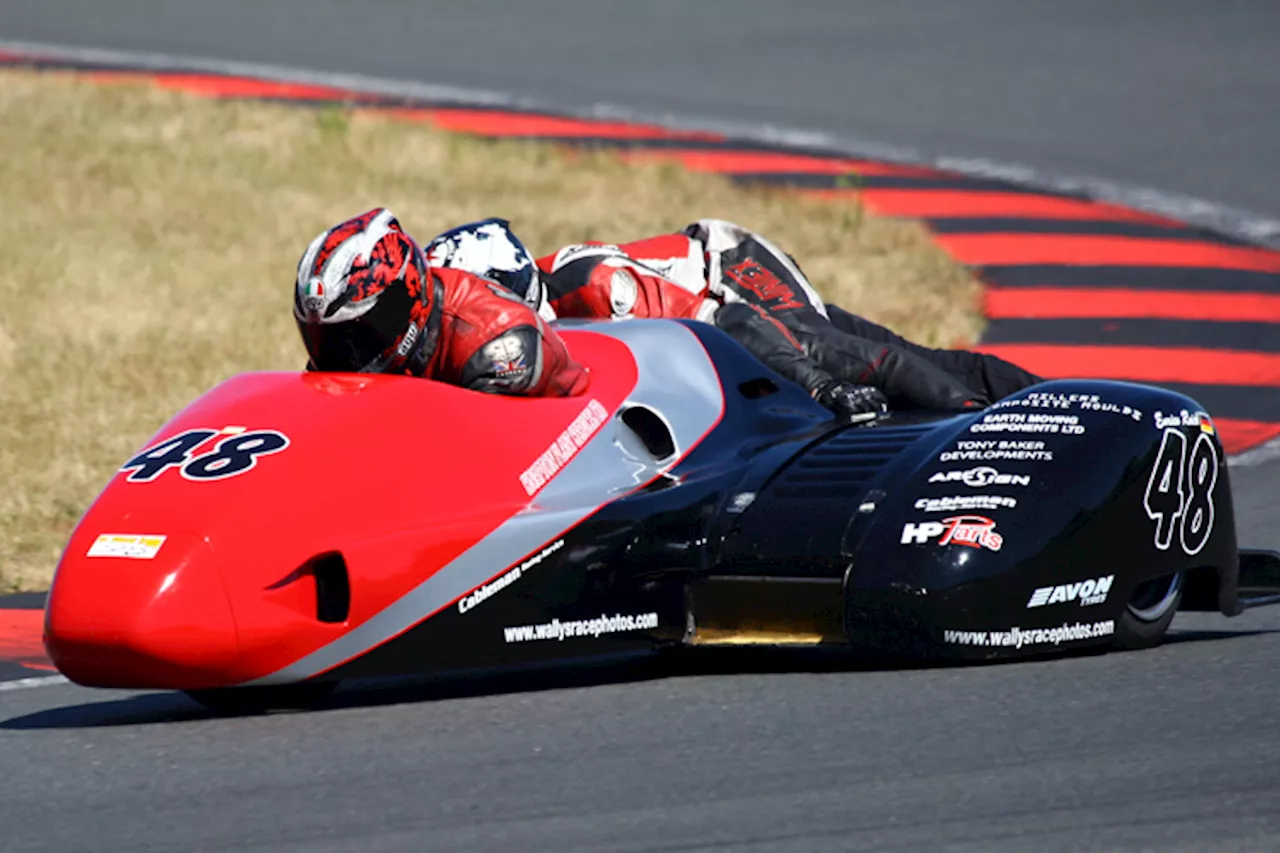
984	374
743	266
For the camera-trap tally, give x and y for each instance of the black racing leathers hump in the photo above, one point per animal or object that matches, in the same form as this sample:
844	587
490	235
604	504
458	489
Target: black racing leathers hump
743	266
983	374
908	380
771	342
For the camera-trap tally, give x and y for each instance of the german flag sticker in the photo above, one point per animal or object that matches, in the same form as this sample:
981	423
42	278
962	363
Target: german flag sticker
1206	425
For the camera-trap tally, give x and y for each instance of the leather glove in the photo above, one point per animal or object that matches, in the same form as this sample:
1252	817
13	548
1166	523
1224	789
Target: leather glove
854	402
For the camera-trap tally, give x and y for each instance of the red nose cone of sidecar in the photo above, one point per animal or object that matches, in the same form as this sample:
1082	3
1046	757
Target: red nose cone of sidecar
159	621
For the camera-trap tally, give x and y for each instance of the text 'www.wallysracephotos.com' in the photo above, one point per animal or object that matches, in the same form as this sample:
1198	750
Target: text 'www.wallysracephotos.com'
1017	638
557	630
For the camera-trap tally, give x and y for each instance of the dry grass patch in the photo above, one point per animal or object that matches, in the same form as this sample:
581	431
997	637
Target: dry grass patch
148	242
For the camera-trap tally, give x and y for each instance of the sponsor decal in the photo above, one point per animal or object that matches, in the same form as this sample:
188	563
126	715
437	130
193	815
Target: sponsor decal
313	300
1200	420
565	447
1084	402
1179	496
557	630
971	531
498	584
1086	592
506	356
1030	422
977	478
235	453
127	545
991	451
741	501
770	291
1019	638
964	503
406	345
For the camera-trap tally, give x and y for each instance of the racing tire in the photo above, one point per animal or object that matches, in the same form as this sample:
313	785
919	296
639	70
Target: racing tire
1148	612
243	701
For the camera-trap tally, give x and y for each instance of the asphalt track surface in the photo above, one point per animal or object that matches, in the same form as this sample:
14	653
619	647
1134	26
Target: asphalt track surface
1172	749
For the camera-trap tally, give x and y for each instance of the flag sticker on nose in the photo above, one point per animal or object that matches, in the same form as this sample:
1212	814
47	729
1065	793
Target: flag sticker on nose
129	546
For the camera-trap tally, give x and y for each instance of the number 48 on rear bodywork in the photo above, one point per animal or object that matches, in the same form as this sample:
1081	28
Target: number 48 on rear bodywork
1179	496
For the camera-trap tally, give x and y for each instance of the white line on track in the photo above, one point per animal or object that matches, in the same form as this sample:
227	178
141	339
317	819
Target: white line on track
1243	224
39	681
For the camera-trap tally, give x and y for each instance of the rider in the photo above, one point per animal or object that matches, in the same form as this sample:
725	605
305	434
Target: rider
366	301
716	271
490	249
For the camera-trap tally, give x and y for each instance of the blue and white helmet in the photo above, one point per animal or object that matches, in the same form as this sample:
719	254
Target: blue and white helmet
490	249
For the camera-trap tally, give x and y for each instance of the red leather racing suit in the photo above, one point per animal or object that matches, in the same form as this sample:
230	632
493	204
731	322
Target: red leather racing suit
657	277
491	340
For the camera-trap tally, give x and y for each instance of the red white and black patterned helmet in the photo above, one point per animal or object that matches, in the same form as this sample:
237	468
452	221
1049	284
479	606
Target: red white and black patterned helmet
364	300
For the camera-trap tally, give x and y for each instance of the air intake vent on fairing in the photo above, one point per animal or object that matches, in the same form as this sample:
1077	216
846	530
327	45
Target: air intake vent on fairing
843	464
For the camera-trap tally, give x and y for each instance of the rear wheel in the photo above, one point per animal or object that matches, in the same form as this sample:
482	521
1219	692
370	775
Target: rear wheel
1150	610
259	700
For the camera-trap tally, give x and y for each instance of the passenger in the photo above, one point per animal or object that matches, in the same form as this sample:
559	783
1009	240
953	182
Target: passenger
491	249
719	272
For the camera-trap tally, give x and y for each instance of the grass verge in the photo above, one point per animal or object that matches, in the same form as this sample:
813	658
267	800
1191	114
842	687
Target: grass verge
148	243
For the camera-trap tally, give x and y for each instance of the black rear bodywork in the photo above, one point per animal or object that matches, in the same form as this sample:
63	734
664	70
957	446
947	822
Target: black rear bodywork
785	527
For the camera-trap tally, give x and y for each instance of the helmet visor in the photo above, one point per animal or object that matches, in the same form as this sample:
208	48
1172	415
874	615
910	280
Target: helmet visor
365	344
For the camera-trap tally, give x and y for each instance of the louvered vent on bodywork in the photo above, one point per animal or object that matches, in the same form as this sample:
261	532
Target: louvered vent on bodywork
842	465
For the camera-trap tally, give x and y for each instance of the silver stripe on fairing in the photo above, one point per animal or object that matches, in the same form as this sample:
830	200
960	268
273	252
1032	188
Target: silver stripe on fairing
676	378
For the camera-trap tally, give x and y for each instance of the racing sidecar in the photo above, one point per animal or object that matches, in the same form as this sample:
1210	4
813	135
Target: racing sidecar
305	528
